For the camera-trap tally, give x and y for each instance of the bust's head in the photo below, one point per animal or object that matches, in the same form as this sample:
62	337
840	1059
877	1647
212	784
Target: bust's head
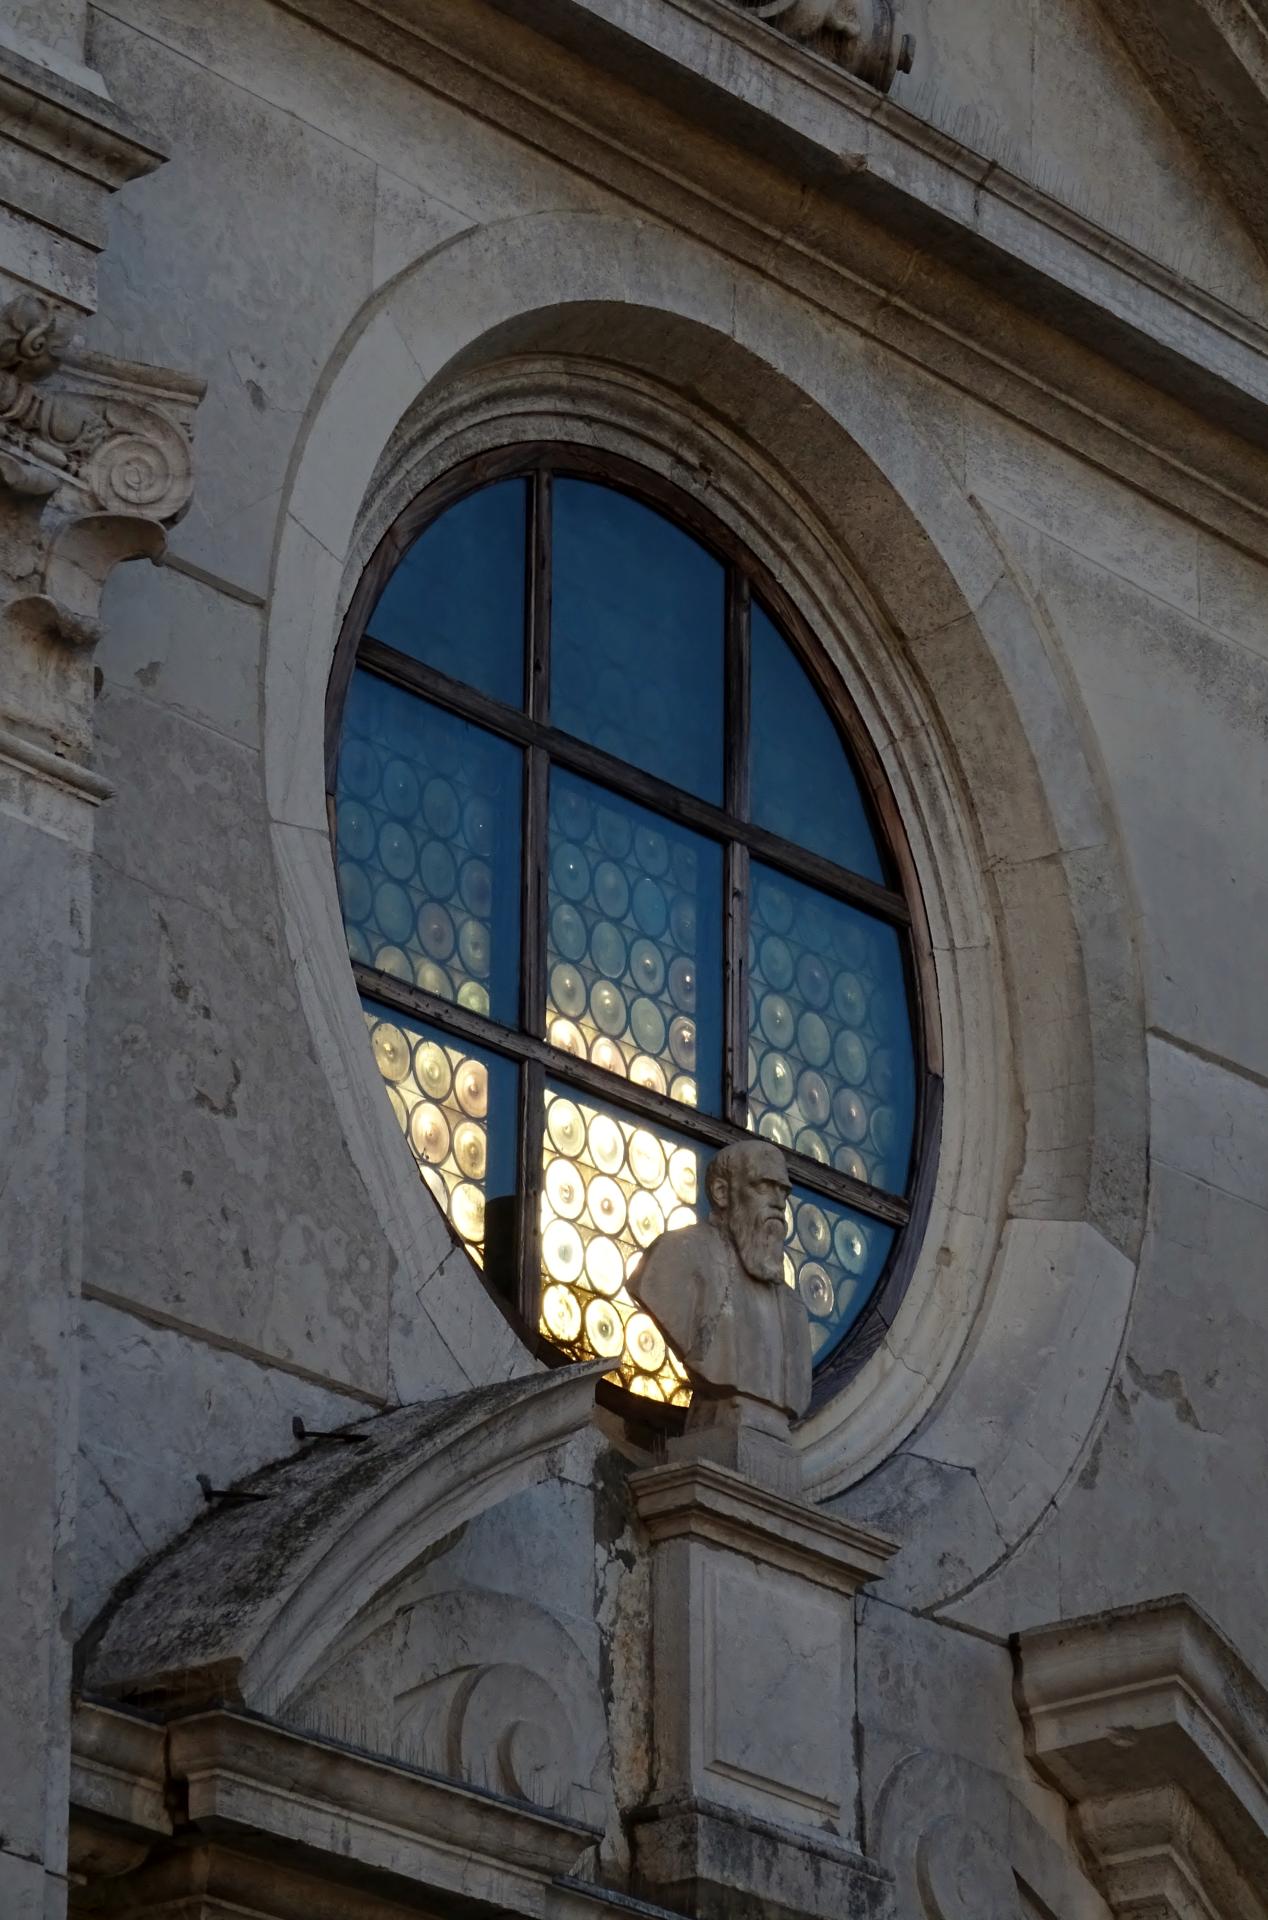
747	1185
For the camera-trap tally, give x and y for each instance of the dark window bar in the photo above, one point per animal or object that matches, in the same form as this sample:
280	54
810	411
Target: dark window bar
578	756
609	1088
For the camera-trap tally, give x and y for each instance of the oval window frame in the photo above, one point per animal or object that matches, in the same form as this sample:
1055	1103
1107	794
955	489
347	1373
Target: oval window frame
571	459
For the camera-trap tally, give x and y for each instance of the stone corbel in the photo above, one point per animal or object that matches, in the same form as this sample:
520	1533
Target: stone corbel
99	449
1151	1725
863	36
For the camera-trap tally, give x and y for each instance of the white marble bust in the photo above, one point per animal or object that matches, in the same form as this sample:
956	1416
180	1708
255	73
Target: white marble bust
716	1292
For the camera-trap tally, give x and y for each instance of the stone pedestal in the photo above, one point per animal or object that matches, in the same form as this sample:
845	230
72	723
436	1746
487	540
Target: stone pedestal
753	1803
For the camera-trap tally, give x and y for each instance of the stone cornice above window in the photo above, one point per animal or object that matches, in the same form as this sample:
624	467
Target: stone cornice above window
769	105
1150	1723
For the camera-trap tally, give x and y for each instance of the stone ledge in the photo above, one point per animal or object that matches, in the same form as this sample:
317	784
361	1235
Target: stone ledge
1152	1725
700	1501
67	148
247	1785
719	1865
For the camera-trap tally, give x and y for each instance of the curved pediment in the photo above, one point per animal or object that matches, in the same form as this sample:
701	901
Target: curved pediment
247	1603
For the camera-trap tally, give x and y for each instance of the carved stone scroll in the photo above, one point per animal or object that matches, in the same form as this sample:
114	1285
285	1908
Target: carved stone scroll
91	431
99	450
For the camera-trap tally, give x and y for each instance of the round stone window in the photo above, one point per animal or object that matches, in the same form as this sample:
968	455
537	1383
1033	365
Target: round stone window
616	892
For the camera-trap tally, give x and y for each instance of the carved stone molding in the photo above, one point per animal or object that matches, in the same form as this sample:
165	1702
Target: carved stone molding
99	449
248	1789
66	148
1150	1723
863	36
86	431
483	1687
963	1874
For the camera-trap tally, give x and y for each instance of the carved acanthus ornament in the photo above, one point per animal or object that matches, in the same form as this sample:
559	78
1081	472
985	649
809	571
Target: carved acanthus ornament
863	36
103	434
99	447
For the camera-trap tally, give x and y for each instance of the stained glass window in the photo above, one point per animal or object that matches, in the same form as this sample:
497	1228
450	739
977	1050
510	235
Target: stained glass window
615	892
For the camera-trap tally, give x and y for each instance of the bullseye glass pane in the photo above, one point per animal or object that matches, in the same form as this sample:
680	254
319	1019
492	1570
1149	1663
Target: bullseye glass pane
831	1064
637	626
633	946
428	847
456	1106
456	601
804	787
610	1187
834	1258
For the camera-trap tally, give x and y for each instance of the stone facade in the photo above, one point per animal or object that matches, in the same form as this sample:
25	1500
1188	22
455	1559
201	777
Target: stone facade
321	1595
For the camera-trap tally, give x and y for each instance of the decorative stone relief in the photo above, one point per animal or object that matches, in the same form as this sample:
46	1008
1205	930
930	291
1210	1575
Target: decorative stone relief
99	450
104	434
961	1845
431	1680
963	1875
863	36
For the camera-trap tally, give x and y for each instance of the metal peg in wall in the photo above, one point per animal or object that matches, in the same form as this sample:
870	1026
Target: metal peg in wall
302	1432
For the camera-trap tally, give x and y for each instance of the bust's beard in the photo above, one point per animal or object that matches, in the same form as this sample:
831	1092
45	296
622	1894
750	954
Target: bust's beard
760	1248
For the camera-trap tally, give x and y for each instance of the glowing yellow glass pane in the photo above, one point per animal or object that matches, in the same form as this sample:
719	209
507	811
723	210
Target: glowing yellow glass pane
440	1097
611	1185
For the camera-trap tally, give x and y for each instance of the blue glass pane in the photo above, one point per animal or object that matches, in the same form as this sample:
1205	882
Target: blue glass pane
428	847
637	626
804	786
834	1257
457	1107
633	947
456	601
611	1186
831	1063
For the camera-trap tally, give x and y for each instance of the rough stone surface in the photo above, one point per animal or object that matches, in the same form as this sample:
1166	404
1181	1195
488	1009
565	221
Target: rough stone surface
221	1201
141	1452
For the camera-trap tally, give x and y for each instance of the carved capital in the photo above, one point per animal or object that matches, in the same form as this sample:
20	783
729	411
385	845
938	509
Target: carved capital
85	432
863	36
99	450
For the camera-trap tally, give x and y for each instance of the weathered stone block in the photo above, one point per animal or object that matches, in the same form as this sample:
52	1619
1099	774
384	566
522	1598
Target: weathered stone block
753	1687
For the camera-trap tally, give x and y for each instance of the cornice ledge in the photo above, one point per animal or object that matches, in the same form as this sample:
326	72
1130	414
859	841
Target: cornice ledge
784	99
701	1501
49	113
1151	1724
244	1782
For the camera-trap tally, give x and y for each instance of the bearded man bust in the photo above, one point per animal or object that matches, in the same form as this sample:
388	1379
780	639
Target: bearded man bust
716	1291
